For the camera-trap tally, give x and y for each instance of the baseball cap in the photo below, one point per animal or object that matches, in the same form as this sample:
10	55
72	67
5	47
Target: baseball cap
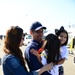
36	26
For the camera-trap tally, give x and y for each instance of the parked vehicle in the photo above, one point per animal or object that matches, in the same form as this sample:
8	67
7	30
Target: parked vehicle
27	39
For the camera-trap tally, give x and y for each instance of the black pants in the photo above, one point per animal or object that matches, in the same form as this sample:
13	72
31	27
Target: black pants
61	70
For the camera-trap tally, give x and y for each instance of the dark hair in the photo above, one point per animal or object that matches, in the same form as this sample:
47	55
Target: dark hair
61	30
52	48
12	42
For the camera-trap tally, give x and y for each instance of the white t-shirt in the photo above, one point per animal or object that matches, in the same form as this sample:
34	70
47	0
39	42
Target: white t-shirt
54	70
64	53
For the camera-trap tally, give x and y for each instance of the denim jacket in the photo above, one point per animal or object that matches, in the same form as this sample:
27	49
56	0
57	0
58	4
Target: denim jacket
12	66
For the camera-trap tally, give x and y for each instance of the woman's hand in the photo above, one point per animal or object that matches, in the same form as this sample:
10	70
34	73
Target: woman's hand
33	51
46	67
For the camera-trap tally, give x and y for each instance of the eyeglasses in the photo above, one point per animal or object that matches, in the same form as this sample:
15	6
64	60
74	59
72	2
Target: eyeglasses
38	32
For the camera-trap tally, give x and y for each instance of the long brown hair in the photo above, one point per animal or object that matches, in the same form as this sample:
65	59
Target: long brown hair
12	42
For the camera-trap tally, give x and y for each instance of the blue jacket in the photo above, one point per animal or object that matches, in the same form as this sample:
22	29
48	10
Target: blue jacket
32	60
12	66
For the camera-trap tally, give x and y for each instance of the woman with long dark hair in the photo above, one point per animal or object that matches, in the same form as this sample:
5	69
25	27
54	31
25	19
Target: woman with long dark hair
13	61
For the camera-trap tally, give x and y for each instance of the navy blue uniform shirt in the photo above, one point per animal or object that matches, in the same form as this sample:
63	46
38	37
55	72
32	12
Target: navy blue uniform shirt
32	60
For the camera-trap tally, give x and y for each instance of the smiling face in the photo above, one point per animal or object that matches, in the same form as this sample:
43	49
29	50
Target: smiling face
37	35
63	37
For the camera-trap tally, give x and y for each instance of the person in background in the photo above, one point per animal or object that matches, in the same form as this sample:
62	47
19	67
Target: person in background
13	61
36	30
51	53
63	37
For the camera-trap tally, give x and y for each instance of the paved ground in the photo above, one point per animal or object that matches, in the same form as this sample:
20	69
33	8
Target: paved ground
69	65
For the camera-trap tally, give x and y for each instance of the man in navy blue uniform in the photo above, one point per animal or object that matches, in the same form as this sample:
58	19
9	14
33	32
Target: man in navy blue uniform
36	30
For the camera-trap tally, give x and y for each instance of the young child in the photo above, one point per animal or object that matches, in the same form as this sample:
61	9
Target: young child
63	37
51	52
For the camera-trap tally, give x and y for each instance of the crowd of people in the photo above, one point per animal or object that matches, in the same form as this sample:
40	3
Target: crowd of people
43	56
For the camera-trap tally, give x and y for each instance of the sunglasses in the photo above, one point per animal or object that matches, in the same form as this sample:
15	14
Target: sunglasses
38	32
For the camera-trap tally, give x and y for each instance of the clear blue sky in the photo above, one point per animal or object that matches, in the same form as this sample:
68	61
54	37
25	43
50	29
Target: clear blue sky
51	13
